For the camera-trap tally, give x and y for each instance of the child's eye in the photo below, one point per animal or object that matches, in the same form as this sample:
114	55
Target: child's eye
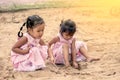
40	31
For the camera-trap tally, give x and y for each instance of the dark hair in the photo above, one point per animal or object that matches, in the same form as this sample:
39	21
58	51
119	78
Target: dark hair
68	26
31	22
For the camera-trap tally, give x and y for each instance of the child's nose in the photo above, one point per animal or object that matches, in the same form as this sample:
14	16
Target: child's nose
69	37
41	32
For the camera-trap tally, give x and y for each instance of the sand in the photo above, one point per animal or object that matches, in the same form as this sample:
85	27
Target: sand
97	27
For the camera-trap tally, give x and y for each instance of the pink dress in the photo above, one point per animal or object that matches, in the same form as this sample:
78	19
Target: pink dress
35	59
57	50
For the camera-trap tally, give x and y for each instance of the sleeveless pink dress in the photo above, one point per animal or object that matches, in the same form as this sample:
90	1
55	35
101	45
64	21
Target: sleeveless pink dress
57	50
34	59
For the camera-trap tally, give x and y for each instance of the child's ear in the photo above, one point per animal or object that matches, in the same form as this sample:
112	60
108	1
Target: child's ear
28	29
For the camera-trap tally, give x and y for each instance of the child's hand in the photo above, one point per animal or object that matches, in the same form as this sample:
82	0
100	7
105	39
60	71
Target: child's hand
52	60
25	51
75	65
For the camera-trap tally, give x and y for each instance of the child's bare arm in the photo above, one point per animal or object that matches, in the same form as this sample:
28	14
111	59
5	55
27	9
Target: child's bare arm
50	53
16	48
74	54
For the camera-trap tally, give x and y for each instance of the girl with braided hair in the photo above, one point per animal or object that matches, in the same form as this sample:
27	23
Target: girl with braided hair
30	52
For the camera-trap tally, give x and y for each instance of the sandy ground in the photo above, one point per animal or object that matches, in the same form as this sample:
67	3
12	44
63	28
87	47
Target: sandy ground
96	26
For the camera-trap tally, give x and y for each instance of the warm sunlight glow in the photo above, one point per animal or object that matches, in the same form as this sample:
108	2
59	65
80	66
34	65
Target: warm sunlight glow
111	2
99	8
105	3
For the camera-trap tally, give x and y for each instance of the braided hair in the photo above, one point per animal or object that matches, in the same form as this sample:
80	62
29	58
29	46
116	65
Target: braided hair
31	22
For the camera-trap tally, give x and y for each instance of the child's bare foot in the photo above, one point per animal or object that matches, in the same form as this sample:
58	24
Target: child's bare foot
92	59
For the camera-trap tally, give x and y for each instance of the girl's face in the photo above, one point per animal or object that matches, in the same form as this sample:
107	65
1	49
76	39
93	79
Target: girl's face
37	32
66	36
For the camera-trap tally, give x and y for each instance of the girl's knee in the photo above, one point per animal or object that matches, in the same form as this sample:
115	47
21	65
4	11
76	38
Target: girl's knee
80	44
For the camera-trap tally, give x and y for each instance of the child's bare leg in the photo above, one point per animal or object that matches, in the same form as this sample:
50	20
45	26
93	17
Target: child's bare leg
85	54
66	54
